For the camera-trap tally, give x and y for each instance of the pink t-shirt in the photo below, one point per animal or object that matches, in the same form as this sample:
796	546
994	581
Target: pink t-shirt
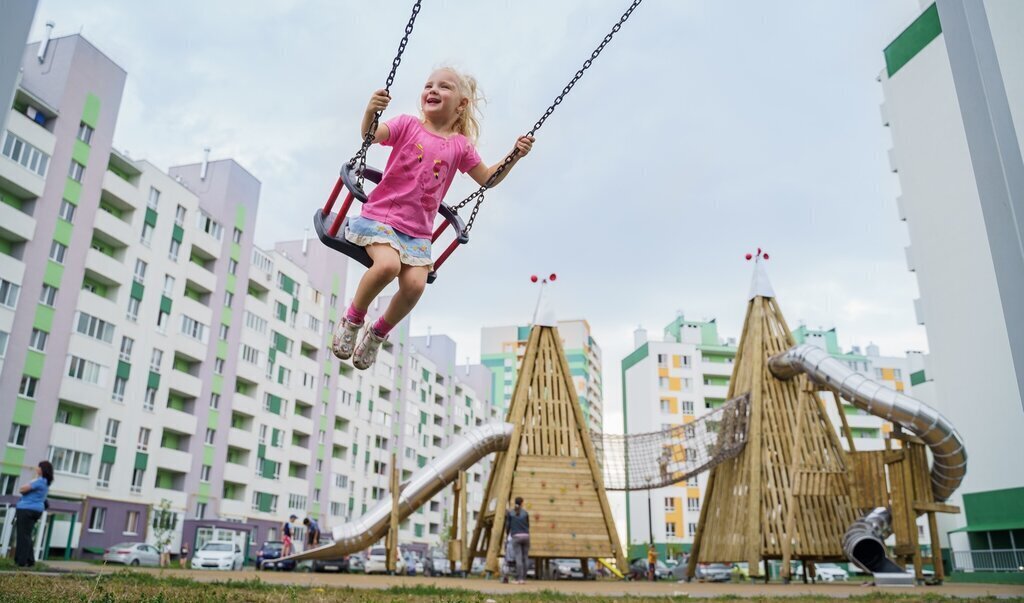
420	170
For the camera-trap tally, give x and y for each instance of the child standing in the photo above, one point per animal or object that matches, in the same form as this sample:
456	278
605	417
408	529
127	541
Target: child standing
397	219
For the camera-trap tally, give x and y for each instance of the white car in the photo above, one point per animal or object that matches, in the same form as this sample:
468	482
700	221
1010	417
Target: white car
377	562
132	553
218	555
830	572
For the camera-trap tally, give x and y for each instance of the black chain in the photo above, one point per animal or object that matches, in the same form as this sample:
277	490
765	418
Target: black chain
479	193
360	156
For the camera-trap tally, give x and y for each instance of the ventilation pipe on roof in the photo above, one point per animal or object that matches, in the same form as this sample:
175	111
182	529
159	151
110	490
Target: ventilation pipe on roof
46	41
206	163
305	240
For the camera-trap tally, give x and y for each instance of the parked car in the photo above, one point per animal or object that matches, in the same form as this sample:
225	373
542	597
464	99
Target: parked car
569	569
437	565
339	564
638	570
221	555
714	572
377	562
268	557
356	563
132	553
830	572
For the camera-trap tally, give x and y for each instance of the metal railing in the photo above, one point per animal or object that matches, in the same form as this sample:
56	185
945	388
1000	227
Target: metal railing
993	560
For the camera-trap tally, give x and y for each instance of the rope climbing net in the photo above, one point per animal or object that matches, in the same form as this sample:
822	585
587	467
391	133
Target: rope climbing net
653	460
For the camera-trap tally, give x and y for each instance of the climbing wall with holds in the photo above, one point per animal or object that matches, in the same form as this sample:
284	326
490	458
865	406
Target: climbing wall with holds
552	464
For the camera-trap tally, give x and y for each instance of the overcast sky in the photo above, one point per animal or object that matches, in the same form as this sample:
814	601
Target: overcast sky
706	129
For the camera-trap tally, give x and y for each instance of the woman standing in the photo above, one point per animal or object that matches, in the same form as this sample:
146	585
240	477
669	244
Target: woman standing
28	511
517	526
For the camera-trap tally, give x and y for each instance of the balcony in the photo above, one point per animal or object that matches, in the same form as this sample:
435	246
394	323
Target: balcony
241	438
11	268
300	454
901	208
300	423
75	438
84	394
244	404
919	311
178	461
177	420
19	181
206	243
109	269
114	228
200	279
125	194
100	307
15	225
237	473
185	384
910	259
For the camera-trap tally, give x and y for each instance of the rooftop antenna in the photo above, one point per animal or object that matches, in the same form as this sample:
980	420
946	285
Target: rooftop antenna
428	337
46	41
206	163
305	240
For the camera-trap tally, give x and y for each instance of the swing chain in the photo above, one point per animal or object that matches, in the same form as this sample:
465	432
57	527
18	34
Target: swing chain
360	156
479	193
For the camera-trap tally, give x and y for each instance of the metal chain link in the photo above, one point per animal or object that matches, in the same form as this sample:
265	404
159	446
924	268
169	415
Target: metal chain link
479	193
360	156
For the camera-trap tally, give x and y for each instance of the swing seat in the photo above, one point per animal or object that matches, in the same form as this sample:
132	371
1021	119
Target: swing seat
330	227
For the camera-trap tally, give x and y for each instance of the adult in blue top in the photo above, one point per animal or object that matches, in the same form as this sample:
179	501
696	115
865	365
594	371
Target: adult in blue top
28	511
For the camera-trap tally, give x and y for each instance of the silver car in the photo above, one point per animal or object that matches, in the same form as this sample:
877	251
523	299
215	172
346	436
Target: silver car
132	553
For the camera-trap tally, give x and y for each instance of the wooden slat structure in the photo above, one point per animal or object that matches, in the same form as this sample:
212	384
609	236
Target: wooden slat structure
551	463
787	494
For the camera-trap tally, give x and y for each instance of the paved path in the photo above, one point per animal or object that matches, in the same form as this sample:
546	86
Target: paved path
602	588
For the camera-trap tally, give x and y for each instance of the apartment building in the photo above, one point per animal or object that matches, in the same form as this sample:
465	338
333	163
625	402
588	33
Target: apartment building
179	377
502	350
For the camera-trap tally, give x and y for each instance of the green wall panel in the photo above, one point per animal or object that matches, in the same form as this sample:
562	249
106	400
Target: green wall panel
137	290
217	384
44	318
236	252
177	233
150	216
109	454
212	419
14	458
91	111
80	152
62	232
208	452
34	364
165	304
154	380
141	460
203	490
230	283
72	191
914	38
240	217
225	316
53	273
23	410
124	370
222	349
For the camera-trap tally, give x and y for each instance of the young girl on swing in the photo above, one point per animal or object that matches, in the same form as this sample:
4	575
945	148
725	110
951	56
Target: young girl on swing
397	219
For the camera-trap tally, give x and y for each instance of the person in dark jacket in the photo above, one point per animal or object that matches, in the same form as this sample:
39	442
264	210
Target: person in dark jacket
517	526
28	511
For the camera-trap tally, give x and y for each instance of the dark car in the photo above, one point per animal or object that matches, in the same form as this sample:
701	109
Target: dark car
331	565
268	554
638	570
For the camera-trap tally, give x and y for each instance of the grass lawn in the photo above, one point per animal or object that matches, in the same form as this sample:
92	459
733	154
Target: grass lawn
127	585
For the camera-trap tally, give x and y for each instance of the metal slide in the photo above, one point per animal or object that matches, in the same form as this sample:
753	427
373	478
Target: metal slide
474	445
864	543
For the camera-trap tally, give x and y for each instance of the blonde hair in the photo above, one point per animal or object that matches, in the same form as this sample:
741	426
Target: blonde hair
467	121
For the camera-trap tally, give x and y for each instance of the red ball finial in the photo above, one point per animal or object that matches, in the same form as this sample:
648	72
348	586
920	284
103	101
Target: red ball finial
533	278
765	256
552	277
749	256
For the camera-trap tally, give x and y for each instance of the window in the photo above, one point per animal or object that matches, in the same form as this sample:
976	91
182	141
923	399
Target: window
9	293
191	327
149	400
97	516
155	359
210	435
691	529
204	472
154	198
168	285
687	407
250	354
4	338
232	266
57	252
692	481
255	322
85	132
229	298
93	327
222	332
120	383
17	435
38	340
85	370
8	485
665	405
103	477
110	436
693	504
131	524
340	481
67	211
127	343
133	309
670	504
27	389
172	251
296	501
284	376
143	443
147	234
138	475
140	271
48	296
76	171
208	225
662	359
27	155
263	434
214	401
179	216
313	322
236	236
70	461
670	529
218	366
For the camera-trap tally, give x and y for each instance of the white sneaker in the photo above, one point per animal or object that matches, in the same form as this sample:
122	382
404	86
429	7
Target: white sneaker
344	341
366	351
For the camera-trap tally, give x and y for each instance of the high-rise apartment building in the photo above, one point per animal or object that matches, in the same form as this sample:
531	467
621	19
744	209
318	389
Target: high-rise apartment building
502	349
954	102
153	353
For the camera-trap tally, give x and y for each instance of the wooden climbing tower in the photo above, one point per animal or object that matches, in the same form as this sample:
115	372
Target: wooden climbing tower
787	494
551	463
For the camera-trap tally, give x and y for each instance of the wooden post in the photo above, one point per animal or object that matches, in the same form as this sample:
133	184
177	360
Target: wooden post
754	438
795	473
842	417
391	541
464	532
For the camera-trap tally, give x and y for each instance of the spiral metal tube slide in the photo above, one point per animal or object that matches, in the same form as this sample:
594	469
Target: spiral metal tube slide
432	478
949	458
864	542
